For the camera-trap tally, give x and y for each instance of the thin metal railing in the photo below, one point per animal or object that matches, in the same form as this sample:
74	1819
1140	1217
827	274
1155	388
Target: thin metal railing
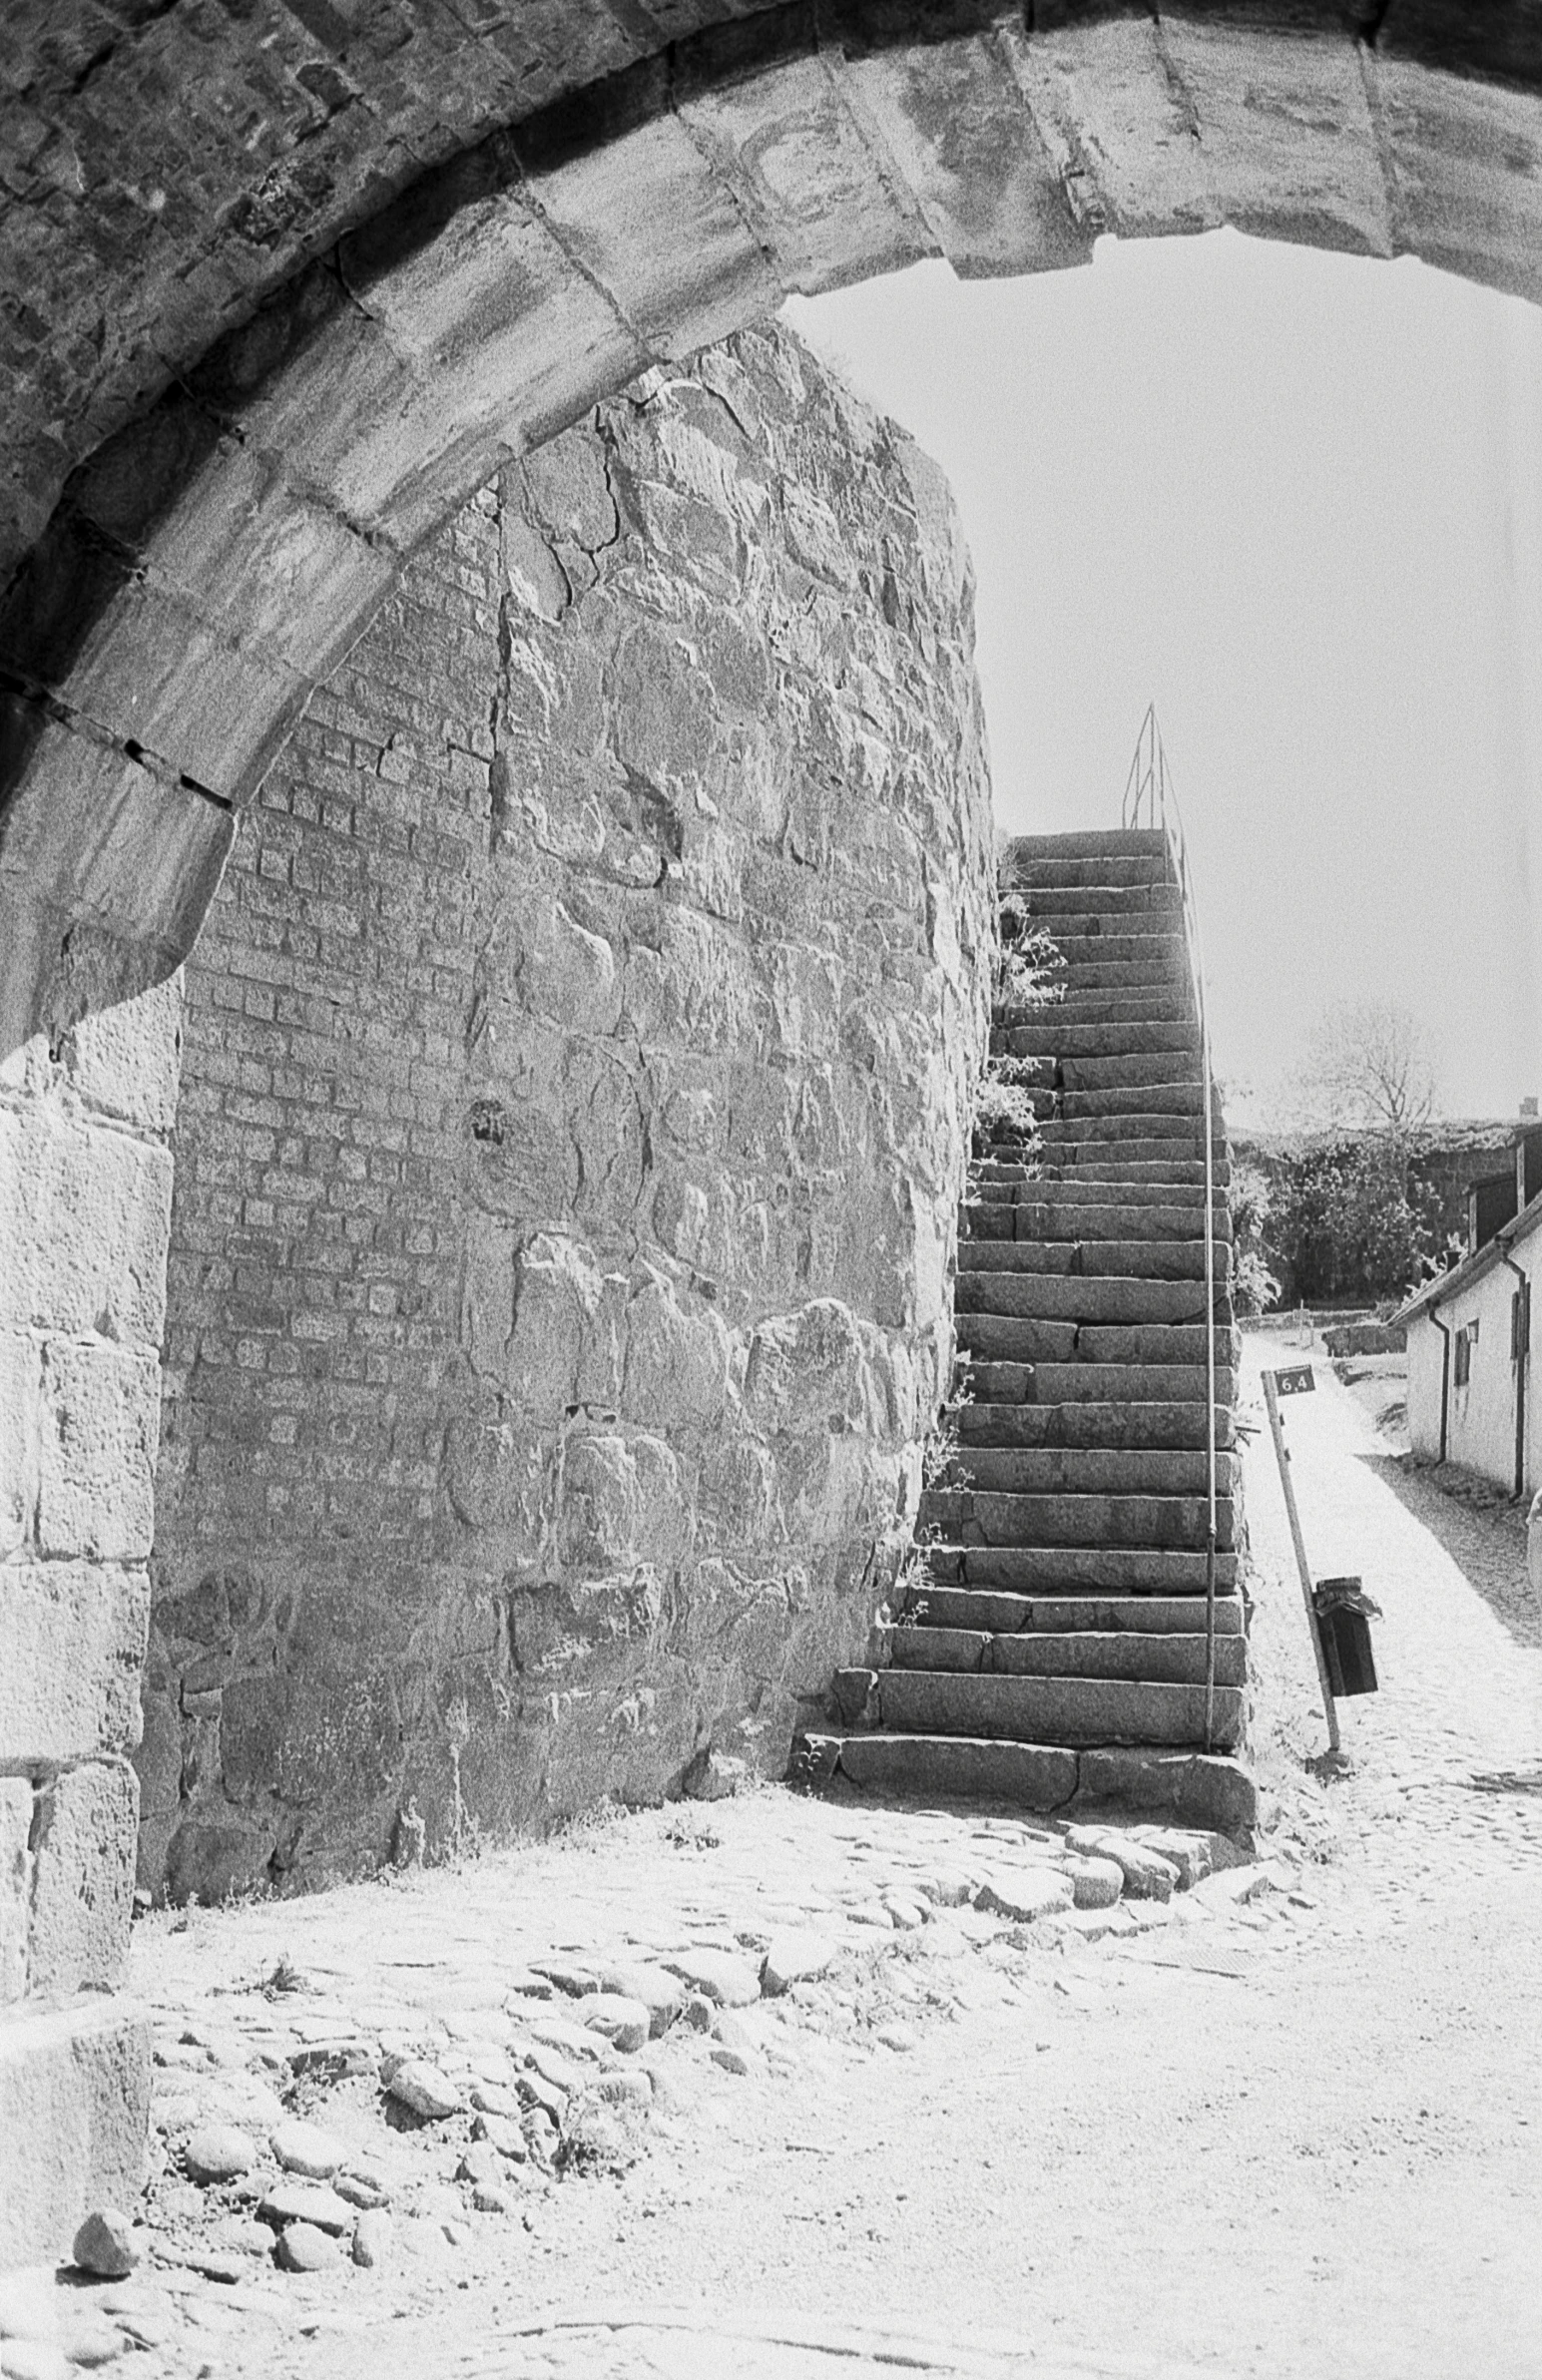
1150	784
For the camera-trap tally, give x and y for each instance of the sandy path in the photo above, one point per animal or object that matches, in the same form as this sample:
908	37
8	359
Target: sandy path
1292	2138
1323	2154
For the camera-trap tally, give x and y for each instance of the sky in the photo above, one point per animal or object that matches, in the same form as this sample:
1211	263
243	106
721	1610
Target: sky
1295	499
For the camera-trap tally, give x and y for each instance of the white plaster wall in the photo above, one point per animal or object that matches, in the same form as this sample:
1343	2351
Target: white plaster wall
1426	1353
1481	1435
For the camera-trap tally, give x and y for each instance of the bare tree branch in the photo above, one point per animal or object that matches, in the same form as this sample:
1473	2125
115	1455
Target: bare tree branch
1368	1067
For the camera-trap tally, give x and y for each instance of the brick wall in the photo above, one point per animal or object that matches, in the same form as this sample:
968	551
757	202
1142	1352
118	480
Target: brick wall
571	1127
314	1282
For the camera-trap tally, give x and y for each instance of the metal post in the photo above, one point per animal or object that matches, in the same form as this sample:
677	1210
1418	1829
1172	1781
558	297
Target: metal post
1281	1456
1210	1383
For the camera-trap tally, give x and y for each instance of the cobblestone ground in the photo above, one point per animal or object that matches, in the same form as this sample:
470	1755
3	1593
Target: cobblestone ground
1284	2121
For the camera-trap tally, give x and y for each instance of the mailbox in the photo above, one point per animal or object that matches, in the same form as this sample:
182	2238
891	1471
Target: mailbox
1343	1614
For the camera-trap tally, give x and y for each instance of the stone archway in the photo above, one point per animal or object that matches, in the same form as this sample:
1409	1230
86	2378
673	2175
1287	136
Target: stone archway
258	361
206	566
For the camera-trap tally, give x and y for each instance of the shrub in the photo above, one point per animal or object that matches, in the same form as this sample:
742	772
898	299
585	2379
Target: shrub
1341	1225
1255	1288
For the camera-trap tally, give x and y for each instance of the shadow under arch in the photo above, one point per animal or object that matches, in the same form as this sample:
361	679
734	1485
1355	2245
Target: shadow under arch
208	566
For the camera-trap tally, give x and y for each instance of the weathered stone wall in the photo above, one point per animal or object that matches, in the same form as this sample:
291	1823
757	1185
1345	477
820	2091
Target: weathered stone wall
84	1202
85	1187
572	1117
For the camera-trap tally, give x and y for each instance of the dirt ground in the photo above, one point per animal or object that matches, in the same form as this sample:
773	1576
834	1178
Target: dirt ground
1288	2123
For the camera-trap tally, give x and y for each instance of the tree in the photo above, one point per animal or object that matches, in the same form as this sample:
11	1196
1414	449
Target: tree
1367	1068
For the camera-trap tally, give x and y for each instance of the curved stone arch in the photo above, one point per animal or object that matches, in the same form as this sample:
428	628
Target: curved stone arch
241	500
208	565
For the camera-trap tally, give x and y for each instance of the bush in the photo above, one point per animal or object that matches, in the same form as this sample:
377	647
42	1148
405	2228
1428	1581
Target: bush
1340	1223
1255	1288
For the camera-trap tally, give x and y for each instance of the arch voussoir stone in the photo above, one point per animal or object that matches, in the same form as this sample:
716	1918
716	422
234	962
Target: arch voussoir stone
1464	162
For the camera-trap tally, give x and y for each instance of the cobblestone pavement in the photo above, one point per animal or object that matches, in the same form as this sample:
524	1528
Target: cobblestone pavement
1282	2121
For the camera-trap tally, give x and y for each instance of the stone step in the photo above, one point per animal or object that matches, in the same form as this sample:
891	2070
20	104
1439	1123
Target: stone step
1093	842
1078	1570
1138	1656
1088	1471
982	1517
1194	1788
1059	1032
1106	1168
1124	1150
989	1233
1170	1003
1091	1126
982	1612
1052	1711
985	1286
1138	972
1082	939
1113	1425
1126	1071
1016	1185
1087	897
1003	1380
1028	1777
1183	1102
995	1276
1136	1099
1002	1216
1097	870
1111	1166
1040	1340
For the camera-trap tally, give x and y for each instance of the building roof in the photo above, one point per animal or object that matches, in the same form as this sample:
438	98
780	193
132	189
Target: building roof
1473	1269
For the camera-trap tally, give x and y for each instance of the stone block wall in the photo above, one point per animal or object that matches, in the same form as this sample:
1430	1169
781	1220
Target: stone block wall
578	1059
85	1196
86	1189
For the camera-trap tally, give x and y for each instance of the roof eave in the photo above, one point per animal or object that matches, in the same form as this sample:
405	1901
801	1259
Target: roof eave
1474	1267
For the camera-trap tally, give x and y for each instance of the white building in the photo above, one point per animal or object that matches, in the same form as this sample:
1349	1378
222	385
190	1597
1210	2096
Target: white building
1469	1340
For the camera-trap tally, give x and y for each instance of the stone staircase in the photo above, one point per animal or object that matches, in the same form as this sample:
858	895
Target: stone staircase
1050	1646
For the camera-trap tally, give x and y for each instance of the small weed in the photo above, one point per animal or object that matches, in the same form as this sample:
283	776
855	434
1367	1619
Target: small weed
687	1834
941	1464
912	1582
1002	1108
597	2144
1031	966
250	1893
592	1829
286	1977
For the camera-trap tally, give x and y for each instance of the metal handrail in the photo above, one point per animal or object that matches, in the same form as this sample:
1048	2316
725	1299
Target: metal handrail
1149	783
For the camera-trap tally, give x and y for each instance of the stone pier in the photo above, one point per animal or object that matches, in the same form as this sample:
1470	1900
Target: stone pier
86	1114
